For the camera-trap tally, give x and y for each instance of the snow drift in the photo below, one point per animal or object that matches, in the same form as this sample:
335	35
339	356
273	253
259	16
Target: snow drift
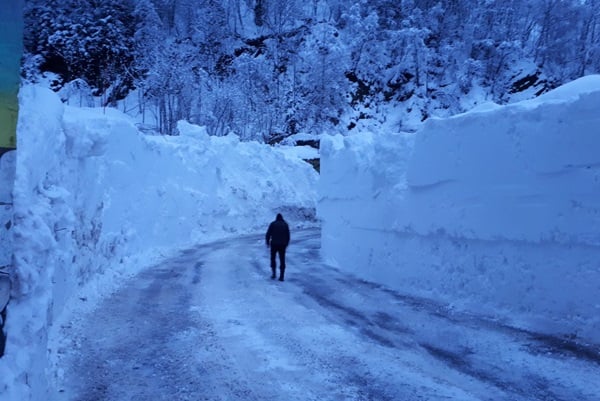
95	198
496	211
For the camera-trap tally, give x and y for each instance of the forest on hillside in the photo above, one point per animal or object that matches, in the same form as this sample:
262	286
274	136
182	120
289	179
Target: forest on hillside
267	69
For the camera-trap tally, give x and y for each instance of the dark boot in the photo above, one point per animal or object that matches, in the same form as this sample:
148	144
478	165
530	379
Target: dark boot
273	275
281	271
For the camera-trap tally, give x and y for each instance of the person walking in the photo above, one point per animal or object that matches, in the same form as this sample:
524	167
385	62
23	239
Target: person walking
278	238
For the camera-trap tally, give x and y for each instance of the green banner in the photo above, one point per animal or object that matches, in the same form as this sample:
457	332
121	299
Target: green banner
11	50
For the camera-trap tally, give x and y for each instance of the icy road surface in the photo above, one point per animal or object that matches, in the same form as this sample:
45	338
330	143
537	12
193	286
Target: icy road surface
211	325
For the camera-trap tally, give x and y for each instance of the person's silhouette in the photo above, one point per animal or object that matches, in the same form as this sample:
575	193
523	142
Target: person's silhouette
278	238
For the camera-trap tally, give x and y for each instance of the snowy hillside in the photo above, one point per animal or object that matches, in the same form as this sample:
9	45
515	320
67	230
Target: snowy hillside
496	211
96	201
266	69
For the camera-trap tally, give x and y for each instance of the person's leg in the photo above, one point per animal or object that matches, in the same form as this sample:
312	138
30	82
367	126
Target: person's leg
281	263
273	267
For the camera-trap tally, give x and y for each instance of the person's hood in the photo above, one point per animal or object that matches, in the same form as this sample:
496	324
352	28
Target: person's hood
279	217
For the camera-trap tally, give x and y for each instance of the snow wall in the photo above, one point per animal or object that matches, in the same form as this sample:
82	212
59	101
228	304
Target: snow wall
494	212
96	201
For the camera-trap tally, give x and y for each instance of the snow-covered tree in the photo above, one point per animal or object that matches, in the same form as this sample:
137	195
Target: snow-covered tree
88	39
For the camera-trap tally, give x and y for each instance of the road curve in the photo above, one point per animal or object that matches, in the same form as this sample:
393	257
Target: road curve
209	324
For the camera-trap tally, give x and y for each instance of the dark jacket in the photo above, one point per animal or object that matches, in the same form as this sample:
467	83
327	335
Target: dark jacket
278	233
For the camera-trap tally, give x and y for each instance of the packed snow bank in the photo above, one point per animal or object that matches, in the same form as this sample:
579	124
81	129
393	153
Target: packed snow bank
95	198
496	211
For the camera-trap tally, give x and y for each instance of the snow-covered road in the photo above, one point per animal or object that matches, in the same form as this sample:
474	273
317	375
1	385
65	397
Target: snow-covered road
211	325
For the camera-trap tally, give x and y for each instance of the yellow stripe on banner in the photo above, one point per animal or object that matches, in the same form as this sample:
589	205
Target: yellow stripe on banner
9	109
11	45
